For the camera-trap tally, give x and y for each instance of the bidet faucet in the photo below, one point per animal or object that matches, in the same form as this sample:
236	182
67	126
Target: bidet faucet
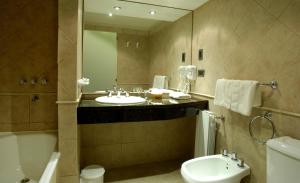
234	156
224	152
241	163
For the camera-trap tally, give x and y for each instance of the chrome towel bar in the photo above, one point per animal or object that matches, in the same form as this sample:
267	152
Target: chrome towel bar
273	84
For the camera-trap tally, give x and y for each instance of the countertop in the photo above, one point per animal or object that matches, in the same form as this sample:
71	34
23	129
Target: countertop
90	111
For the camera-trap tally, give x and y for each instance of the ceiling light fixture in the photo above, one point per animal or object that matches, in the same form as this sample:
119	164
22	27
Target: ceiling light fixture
110	14
152	12
117	8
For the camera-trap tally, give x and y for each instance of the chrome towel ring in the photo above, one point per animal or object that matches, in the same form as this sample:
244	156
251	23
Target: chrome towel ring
266	116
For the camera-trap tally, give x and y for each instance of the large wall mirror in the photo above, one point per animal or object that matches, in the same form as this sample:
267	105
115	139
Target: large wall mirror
126	43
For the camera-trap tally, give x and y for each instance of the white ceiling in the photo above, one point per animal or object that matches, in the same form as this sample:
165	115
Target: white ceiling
136	15
183	4
102	20
130	9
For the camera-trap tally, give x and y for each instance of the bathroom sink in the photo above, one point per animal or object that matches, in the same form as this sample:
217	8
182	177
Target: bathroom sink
120	100
213	169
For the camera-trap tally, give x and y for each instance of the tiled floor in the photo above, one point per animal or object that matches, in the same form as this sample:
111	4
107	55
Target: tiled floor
172	177
157	172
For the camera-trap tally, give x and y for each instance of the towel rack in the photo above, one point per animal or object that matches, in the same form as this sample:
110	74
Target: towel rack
216	116
273	84
268	117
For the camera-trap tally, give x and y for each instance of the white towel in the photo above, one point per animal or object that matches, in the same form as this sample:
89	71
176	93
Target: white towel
160	82
223	93
237	95
243	96
205	134
180	95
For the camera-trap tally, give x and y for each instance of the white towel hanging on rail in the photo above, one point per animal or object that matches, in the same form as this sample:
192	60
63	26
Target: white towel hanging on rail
237	95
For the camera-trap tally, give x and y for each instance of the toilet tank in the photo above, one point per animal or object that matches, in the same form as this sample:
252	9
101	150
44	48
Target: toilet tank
283	160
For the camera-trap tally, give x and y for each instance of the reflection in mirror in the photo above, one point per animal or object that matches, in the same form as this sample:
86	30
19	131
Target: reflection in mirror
126	43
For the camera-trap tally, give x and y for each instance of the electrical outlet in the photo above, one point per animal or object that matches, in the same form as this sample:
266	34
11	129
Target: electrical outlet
201	73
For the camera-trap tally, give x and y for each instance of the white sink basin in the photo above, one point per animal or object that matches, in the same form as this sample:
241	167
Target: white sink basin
120	100
213	169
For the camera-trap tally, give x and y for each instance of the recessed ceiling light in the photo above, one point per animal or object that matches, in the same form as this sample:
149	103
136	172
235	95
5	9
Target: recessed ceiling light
110	14
152	12
117	8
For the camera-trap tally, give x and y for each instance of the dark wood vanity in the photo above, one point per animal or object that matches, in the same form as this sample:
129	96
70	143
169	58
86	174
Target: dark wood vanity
90	111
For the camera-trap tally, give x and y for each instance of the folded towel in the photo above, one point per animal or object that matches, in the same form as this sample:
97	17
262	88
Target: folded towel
243	96
180	95
160	82
237	95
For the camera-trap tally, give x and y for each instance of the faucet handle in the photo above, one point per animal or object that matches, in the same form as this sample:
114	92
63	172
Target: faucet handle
110	93
44	81
224	152
115	88
241	163
23	81
234	156
33	81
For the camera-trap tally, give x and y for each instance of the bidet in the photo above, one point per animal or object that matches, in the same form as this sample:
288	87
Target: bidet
214	169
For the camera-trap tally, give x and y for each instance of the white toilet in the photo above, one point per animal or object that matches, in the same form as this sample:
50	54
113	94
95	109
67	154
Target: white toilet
283	160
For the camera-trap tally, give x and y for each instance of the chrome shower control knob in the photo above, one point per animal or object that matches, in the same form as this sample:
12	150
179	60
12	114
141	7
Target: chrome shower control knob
44	81
234	156
33	81
23	81
35	98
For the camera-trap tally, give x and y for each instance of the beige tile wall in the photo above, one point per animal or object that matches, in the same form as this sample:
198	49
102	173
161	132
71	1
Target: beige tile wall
133	61
246	39
251	39
29	50
166	47
124	144
29	45
69	70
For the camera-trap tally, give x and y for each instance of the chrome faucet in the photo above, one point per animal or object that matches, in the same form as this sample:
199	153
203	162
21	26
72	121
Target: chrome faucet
120	91
117	90
234	156
224	152
110	92
241	163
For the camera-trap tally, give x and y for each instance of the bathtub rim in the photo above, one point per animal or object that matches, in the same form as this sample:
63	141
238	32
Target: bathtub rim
50	168
27	132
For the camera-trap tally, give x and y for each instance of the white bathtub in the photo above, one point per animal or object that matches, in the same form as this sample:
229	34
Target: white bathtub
28	155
